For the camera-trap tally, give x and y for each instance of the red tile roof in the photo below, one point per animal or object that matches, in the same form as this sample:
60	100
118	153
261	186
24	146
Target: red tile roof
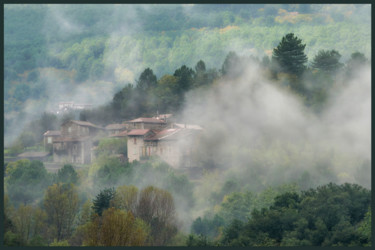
147	120
162	134
115	126
83	123
122	134
70	139
52	133
138	132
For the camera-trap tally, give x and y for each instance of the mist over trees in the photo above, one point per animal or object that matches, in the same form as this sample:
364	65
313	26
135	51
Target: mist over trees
89	52
284	159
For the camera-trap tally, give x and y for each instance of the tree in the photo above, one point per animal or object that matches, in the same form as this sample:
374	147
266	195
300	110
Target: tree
144	91
167	94
61	204
185	79
25	181
23	222
67	174
327	61
356	61
237	206
103	200
123	103
116	228
289	55
126	198
233	231
232	65
200	76
210	227
156	207
364	229
198	241
147	80
200	67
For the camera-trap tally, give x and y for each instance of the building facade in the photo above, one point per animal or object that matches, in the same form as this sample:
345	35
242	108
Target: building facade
75	143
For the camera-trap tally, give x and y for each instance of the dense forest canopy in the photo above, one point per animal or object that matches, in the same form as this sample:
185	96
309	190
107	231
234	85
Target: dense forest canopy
282	93
84	53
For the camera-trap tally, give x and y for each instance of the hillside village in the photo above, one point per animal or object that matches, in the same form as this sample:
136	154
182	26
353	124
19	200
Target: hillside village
76	141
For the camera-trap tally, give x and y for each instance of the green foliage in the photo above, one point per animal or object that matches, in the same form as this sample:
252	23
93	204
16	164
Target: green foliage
237	206
364	229
67	174
208	227
102	200
11	239
111	146
147	80
356	61
110	170
62	243
327	61
25	181
184	79
232	65
325	216
289	54
61	204
167	94
198	241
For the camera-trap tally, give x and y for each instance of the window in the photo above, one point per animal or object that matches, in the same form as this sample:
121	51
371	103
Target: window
70	129
49	139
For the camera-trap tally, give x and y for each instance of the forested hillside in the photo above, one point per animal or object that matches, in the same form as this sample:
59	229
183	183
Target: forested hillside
282	94
84	53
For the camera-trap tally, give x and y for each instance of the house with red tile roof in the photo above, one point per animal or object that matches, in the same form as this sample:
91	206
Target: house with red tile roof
75	143
173	145
117	128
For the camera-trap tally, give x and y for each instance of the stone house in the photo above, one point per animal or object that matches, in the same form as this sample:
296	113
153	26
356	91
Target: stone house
147	123
136	143
122	134
49	136
75	143
113	129
173	145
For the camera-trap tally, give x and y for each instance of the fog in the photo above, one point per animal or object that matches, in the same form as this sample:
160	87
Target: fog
250	121
257	132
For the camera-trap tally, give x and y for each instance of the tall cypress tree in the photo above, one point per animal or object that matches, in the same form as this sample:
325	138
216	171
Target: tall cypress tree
289	55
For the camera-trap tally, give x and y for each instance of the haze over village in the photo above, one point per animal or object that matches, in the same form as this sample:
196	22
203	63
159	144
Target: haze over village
187	125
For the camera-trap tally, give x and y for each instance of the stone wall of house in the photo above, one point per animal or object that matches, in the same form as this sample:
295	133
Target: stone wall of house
169	151
74	130
72	152
142	125
135	147
61	152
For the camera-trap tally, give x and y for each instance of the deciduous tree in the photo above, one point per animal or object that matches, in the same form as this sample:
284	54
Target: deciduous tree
61	204
116	228
156	207
126	198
